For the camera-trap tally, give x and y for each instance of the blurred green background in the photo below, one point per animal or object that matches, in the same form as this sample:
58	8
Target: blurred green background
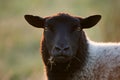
19	42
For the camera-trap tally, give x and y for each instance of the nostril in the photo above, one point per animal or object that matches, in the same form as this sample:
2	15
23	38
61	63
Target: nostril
66	48
57	48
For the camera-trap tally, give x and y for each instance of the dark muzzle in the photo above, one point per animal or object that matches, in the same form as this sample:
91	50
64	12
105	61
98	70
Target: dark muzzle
62	53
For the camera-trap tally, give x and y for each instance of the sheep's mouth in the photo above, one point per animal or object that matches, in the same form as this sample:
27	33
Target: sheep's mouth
60	59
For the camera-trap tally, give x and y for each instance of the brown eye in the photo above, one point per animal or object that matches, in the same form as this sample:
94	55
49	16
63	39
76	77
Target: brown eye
49	27
46	28
76	28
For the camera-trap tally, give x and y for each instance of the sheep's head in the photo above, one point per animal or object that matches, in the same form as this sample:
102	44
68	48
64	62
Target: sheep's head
62	33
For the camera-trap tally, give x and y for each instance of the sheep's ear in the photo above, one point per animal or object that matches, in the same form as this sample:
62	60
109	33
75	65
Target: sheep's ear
35	21
90	21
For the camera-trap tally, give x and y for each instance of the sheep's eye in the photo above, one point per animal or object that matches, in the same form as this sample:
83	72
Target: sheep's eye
46	28
50	28
76	28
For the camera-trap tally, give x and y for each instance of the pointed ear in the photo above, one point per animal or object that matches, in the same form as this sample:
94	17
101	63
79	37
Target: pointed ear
35	21
90	21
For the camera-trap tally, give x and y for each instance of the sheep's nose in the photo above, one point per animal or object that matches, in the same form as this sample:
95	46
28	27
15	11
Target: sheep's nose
61	53
62	49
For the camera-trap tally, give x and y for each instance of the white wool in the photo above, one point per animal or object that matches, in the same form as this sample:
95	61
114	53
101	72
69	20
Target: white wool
103	62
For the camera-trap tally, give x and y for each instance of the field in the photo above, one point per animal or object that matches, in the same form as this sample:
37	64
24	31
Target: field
19	42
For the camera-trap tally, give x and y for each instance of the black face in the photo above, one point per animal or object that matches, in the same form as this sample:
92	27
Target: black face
62	33
62	37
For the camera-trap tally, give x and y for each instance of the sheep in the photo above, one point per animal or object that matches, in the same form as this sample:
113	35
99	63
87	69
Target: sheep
68	54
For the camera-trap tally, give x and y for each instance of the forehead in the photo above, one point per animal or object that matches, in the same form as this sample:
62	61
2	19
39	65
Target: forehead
62	18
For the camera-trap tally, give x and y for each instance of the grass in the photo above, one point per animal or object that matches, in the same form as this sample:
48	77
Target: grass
19	50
